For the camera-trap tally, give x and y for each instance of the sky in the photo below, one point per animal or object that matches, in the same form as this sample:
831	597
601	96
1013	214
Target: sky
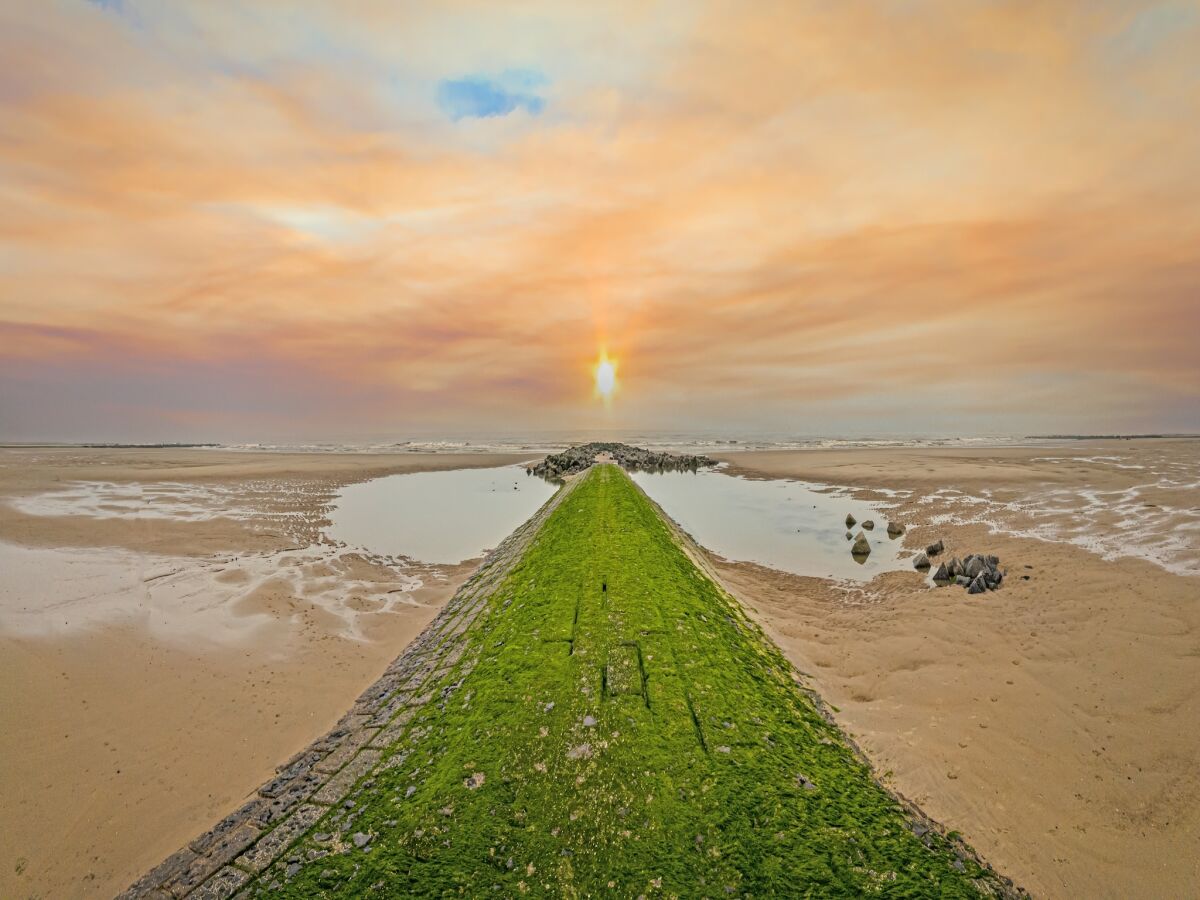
270	220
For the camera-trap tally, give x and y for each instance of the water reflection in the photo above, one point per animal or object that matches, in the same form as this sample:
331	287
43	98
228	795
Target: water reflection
437	517
786	525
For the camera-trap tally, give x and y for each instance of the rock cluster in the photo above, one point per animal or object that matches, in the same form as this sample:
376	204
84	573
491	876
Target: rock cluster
634	459
977	573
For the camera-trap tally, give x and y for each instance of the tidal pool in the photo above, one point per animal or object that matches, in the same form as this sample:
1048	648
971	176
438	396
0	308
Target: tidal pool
787	525
436	517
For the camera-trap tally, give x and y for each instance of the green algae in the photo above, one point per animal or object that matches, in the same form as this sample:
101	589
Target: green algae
616	726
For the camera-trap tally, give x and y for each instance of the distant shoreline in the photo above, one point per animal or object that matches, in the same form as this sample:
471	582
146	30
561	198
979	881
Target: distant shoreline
659	442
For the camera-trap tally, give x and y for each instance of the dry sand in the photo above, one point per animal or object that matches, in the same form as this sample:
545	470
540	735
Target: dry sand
1055	723
122	736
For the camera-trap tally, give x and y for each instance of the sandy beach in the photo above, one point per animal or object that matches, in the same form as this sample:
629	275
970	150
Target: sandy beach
1054	722
141	716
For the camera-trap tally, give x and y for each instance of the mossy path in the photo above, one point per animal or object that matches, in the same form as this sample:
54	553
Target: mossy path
601	719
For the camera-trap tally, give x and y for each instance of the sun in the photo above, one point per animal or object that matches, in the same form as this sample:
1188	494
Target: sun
606	377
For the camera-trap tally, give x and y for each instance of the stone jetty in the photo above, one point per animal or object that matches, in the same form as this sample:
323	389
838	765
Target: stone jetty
591	714
577	459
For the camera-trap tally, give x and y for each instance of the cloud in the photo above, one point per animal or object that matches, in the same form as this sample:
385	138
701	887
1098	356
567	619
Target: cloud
820	217
482	97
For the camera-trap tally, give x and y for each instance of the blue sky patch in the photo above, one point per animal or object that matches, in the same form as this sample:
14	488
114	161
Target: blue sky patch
483	96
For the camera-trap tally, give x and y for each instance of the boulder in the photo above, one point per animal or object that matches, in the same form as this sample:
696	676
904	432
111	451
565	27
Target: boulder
941	574
977	586
962	580
936	548
850	520
921	561
895	529
869	525
974	567
861	546
849	535
954	568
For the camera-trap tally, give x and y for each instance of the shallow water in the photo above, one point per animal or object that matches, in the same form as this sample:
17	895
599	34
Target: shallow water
787	525
436	517
52	591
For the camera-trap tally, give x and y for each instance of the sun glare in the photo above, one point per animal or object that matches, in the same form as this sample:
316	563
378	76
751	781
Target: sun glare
606	377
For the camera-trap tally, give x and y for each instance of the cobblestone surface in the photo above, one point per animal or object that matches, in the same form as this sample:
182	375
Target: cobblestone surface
325	776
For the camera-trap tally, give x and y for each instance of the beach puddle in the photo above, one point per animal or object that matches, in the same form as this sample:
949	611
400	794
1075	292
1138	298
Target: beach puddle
219	600
436	517
786	525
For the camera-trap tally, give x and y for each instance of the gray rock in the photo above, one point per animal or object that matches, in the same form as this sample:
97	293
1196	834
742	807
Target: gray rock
850	520
849	535
895	529
921	561
360	840
936	548
973	568
941	574
803	781
954	568
962	580
978	586
869	525
993	560
635	459
862	546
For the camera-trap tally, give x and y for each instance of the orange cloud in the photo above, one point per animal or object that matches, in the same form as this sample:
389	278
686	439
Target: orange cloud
799	216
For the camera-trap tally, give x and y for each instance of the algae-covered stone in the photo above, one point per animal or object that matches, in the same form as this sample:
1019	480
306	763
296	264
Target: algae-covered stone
693	729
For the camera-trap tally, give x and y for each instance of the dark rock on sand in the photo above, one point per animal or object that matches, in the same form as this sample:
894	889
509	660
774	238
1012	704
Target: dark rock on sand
635	459
895	529
941	574
978	586
936	548
954	568
921	561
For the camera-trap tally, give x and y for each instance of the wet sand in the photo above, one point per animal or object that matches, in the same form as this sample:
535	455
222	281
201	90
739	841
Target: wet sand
1052	723
123	737
1055	723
